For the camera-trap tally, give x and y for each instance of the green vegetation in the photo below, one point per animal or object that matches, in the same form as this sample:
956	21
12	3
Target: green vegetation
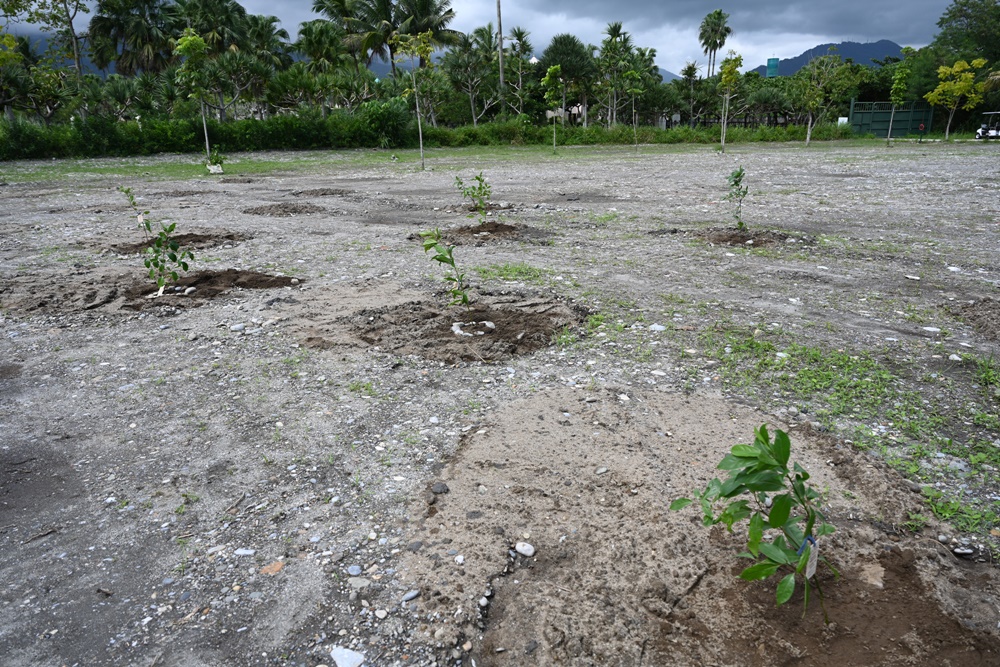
163	257
443	253
763	488
518	271
737	193
478	194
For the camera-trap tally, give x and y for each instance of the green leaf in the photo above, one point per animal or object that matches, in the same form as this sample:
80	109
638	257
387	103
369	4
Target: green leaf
731	462
745	451
824	529
803	559
680	504
781	508
759	571
782	448
764	481
775	553
786	587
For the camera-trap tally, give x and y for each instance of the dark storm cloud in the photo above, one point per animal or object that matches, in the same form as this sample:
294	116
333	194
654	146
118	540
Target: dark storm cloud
911	22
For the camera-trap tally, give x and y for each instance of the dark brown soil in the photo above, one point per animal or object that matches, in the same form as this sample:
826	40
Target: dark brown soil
284	210
322	192
519	327
743	237
195	241
983	315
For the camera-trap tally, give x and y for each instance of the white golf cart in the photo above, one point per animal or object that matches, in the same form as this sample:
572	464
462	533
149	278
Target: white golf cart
991	128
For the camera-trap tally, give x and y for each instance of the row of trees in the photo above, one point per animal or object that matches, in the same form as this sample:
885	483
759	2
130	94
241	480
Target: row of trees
249	67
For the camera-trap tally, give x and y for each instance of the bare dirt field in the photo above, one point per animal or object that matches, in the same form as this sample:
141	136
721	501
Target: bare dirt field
302	456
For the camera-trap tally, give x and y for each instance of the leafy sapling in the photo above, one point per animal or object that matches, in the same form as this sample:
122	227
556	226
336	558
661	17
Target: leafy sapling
737	193
779	505
164	257
443	253
479	194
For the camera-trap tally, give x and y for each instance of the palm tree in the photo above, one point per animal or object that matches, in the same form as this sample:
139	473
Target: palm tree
419	16
520	50
221	23
267	41
344	13
712	34
322	42
133	35
378	24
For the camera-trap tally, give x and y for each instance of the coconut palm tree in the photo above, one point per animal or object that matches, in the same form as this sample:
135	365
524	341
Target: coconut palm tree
378	24
419	16
133	35
712	34
267	41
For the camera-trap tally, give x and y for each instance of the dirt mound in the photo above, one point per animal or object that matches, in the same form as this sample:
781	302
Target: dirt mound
739	237
983	315
196	241
616	579
179	193
490	232
285	210
485	333
322	192
108	291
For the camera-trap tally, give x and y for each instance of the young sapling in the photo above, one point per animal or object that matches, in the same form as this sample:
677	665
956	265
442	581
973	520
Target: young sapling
164	257
443	253
779	504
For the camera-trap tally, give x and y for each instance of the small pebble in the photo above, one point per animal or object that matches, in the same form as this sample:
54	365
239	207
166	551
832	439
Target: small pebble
411	595
238	327
354	570
524	549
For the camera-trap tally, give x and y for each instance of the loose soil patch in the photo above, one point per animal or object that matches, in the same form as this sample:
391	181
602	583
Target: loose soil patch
322	192
520	326
195	241
285	210
984	316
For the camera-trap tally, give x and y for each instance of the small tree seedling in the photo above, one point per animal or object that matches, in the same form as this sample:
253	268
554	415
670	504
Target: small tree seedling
737	193
478	194
779	504
164	257
443	253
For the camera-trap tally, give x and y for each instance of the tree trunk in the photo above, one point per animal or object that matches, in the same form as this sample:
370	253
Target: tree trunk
892	115
204	127
472	105
809	128
947	128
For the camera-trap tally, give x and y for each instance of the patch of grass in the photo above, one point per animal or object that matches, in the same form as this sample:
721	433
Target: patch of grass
363	388
518	271
839	383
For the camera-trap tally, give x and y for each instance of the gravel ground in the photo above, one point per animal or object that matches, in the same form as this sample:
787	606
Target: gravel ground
300	461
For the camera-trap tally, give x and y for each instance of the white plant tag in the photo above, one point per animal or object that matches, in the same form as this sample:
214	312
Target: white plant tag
813	558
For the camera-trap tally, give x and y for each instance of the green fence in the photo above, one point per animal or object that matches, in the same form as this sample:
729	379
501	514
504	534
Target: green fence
911	118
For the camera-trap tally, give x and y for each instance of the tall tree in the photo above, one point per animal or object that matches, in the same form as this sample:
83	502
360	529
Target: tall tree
577	67
133	35
322	42
519	52
958	88
378	24
433	16
268	42
472	67
971	29
712	34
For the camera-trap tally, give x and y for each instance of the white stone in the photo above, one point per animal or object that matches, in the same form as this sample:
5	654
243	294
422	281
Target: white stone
524	549
345	657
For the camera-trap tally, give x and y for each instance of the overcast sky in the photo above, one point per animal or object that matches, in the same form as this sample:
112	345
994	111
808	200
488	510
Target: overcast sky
762	29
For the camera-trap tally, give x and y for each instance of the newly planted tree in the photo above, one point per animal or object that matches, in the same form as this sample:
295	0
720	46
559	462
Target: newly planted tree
443	253
164	257
737	193
785	522
478	193
555	89
417	49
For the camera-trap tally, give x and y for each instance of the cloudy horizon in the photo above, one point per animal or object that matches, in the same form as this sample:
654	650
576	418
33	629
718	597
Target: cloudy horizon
762	29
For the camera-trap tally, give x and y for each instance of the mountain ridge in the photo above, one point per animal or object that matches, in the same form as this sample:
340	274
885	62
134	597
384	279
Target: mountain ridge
860	52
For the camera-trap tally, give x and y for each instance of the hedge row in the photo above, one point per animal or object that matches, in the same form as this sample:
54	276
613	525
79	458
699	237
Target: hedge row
374	125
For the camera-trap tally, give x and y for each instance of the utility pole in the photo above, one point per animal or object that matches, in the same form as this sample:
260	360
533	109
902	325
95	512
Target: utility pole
500	53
